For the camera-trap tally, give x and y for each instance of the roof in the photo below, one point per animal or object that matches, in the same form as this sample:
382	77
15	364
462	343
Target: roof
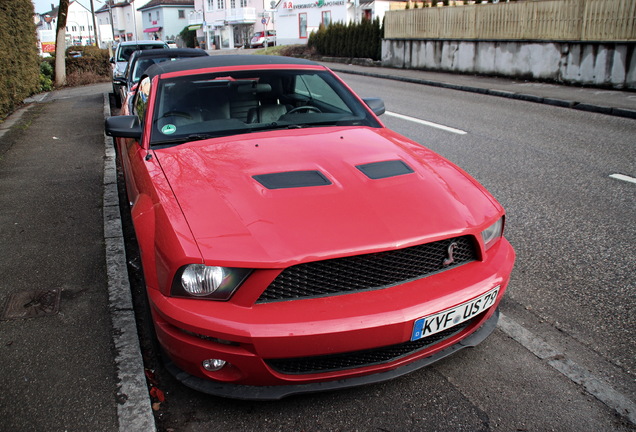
171	52
159	3
225	60
142	42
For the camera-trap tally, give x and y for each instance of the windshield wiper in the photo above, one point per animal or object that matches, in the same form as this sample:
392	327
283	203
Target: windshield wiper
185	139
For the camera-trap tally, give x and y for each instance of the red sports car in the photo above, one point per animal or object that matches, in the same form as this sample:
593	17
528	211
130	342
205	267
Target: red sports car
290	242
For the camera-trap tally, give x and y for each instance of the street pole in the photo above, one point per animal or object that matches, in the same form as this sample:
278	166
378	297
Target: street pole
134	13
94	24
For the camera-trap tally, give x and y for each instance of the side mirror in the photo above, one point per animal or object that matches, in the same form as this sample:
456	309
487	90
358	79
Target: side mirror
112	60
376	105
123	127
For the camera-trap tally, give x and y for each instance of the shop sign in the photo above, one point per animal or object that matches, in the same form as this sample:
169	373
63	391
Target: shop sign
313	4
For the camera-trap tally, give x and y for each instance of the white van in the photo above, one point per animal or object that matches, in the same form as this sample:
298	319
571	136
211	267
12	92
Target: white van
260	38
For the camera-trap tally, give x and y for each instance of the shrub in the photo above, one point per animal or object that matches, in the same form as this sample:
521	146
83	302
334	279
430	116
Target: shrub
46	76
19	68
189	37
363	40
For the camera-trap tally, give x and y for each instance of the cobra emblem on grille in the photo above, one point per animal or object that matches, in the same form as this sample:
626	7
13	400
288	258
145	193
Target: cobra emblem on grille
450	259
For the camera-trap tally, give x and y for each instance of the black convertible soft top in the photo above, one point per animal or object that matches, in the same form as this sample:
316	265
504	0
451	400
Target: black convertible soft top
171	53
224	60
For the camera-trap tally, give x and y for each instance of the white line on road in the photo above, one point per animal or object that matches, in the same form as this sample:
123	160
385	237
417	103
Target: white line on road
623	178
580	375
427	123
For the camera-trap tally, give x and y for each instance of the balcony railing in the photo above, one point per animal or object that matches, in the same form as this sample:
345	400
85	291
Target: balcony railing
196	17
241	16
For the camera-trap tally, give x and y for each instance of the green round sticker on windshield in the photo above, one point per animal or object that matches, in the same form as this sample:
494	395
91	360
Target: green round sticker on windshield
168	129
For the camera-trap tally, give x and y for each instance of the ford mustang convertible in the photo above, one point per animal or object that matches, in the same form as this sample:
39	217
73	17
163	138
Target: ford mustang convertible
290	242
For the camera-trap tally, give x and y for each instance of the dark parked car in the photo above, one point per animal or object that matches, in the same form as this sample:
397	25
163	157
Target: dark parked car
141	60
290	242
122	54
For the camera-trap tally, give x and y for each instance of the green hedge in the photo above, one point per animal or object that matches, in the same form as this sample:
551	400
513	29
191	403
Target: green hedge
353	40
20	65
93	60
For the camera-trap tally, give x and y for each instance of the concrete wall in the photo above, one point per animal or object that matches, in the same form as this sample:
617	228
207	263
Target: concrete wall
608	64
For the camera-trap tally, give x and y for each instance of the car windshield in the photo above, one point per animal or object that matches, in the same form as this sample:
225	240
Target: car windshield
141	65
126	51
215	105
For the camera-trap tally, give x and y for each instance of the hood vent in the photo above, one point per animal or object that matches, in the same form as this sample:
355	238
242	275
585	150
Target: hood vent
385	169
292	179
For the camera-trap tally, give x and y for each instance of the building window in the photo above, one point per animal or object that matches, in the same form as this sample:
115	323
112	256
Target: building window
243	3
82	28
149	16
73	28
220	4
157	15
181	14
326	18
302	25
232	4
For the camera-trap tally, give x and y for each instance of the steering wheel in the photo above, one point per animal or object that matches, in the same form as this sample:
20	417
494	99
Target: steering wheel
177	114
306	108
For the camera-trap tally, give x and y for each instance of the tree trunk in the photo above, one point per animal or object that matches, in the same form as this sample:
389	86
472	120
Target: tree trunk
60	44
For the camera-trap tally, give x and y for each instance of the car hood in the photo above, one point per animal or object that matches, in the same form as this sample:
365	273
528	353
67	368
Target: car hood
318	203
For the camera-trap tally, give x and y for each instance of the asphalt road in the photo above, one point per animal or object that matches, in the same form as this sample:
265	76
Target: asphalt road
564	355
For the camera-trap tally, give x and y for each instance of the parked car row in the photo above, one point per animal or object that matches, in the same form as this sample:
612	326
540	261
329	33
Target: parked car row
290	242
139	61
120	60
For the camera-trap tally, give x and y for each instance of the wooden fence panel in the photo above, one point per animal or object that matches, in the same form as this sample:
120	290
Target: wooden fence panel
558	20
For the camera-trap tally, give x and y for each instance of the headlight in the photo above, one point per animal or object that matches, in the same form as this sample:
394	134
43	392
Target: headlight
209	282
492	233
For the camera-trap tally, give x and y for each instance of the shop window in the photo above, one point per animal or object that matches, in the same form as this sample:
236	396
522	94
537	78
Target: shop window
326	18
302	25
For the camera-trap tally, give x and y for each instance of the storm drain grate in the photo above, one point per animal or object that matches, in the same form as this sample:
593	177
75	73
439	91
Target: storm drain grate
32	304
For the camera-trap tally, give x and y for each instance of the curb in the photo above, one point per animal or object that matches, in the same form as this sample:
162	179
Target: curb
617	112
134	409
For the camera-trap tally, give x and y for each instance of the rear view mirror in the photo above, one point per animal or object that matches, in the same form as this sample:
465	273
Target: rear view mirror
376	105
123	127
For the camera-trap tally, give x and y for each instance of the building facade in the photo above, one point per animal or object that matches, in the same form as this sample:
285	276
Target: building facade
295	20
165	19
119	21
79	26
226	24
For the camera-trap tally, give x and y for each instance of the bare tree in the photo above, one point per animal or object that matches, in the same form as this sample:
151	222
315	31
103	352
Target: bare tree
60	44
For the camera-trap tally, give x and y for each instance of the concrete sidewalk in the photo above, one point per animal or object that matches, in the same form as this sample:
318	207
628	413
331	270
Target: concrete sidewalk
68	341
65	334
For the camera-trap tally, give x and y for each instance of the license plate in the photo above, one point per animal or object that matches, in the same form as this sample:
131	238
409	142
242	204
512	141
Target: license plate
450	317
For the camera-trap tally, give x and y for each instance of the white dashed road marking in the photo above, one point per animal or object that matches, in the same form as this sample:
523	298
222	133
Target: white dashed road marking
623	177
427	123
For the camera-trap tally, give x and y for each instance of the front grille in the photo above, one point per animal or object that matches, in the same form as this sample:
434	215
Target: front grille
328	363
367	272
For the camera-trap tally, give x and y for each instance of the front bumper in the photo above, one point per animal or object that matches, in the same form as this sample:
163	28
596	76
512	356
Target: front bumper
247	392
254	339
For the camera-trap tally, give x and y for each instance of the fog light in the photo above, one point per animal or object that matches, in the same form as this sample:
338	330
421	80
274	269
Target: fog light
213	365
